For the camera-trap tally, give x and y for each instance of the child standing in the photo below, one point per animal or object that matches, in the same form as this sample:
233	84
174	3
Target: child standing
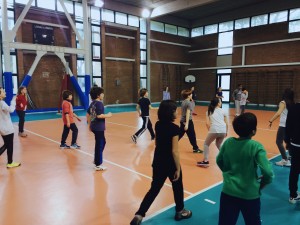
68	119
21	106
217	125
96	122
238	159
7	129
186	122
243	102
236	95
166	163
166	94
142	108
219	93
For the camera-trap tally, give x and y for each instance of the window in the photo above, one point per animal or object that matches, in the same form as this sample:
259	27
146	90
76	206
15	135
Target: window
278	17
79	27
15	84
96	37
81	82
225	40
143	71
143	41
183	32
108	15
226	26
211	29
143	56
95	15
23	2
170	29
143	26
294	26
68	5
157	26
80	67
121	18
295	14
96	69
259	20
223	80
197	31
143	83
49	4
242	23
97	81
96	52
133	21
78	11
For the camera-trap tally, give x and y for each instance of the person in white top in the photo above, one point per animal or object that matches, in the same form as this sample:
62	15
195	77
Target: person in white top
244	100
7	129
217	125
288	100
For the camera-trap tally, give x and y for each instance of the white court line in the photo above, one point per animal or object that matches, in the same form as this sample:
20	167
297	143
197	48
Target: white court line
107	161
209	201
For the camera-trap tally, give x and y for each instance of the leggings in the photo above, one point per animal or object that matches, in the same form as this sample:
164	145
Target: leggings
9	145
279	142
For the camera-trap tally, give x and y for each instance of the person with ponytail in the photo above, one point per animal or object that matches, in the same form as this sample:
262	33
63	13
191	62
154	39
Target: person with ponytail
21	106
217	125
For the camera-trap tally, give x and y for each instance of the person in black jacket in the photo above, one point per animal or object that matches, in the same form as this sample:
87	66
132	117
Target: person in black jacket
292	140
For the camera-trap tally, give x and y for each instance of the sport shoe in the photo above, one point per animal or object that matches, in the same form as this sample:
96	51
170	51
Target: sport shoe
204	164
294	200
137	219
100	168
197	150
133	138
283	162
183	214
63	146
13	164
75	146
22	134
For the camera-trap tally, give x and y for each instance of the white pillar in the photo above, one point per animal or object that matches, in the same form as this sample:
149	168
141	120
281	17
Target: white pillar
5	37
87	38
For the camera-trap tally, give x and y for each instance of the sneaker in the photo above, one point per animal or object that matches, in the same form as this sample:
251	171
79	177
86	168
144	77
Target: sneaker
204	164
294	200
194	114
197	150
283	162
137	220
75	146
63	146
13	164
22	134
183	214
100	168
133	138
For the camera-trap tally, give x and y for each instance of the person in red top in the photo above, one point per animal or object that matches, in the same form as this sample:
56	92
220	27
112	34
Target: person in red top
68	119
21	106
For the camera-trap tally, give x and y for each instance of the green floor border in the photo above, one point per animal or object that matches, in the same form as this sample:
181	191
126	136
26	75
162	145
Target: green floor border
275	208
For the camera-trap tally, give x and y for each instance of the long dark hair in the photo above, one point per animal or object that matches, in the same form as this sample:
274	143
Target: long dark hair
166	111
288	97
212	105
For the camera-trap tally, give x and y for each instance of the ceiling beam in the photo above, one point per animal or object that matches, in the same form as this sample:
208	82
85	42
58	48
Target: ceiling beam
178	5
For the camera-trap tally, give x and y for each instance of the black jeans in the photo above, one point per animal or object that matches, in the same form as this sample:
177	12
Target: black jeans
279	142
146	125
158	179
21	115
190	133
9	145
230	208
294	171
99	147
66	131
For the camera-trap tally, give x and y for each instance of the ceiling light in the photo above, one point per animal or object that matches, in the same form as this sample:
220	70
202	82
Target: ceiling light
145	13
99	3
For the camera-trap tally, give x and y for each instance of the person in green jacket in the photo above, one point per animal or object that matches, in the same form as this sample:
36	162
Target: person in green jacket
239	160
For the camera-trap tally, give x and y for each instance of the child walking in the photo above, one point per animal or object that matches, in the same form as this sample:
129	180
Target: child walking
7	129
217	125
21	106
186	122
142	108
243	102
69	123
239	159
96	122
166	163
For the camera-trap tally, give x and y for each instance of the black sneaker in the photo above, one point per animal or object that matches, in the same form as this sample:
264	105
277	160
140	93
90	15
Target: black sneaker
204	164
63	146
137	220
197	150
133	138
183	214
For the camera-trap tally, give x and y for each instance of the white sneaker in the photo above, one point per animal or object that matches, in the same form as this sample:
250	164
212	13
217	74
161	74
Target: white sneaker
294	200
283	162
100	168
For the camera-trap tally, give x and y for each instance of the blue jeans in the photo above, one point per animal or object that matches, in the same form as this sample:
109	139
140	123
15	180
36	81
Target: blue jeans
99	147
230	208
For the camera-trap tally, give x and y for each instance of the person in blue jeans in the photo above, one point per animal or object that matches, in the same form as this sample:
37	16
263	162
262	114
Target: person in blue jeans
239	160
96	121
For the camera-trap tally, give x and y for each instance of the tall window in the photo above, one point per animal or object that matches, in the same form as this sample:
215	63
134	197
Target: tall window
225	40
223	80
